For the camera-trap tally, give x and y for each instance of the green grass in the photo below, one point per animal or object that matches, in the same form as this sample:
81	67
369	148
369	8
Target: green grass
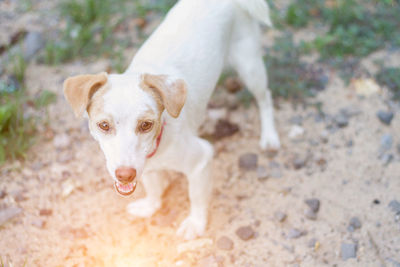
90	28
390	77
355	28
17	111
289	77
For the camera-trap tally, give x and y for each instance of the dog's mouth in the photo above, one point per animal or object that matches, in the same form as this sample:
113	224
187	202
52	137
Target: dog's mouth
125	189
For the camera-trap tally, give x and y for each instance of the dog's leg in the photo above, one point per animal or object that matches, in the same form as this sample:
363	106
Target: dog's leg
198	173
246	58
154	184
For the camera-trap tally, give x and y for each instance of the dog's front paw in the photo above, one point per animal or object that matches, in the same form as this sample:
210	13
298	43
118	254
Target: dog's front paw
143	208
270	141
191	228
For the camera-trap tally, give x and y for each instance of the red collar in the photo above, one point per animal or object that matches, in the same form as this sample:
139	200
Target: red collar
157	142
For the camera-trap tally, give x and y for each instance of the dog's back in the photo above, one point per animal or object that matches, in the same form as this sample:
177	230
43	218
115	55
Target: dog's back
194	42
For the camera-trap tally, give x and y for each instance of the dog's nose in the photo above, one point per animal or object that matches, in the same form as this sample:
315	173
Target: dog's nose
125	174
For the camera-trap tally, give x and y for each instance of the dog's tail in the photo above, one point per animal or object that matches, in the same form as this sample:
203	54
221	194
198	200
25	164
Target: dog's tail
258	9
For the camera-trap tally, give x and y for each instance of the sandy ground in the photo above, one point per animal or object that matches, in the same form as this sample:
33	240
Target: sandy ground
71	216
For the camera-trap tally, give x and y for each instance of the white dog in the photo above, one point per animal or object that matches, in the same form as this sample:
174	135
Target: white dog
147	118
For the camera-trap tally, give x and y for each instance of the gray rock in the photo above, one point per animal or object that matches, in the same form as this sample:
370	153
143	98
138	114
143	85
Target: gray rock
299	162
313	203
262	173
9	213
349	143
225	243
385	116
341	120
386	159
32	44
398	148
354	224
311	215
298	120
245	233
311	243
395	206
248	161
386	142
350	111
280	216
275	173
348	251
324	136
295	233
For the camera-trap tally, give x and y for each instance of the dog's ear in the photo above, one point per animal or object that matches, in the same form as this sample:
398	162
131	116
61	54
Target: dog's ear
171	91
78	90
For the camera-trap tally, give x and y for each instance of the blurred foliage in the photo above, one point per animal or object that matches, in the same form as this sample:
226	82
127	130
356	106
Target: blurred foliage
289	77
18	117
90	25
356	27
390	77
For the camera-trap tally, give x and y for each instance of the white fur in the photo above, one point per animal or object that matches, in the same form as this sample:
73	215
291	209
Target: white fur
195	42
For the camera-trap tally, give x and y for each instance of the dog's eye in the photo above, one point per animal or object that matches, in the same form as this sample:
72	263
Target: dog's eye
145	126
105	126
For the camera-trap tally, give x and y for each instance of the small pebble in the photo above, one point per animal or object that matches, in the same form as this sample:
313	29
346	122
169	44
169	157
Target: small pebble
276	173
295	233
324	136
224	128
354	224
311	242
262	173
311	215
299	162
377	201
225	243
45	212
386	142
233	84
386	159
245	232
395	206
385	116
348	251
295	132
39	223
298	120
248	161
280	216
313	203
349	143
341	120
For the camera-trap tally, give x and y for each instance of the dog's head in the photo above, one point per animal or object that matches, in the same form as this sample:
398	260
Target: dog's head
124	114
